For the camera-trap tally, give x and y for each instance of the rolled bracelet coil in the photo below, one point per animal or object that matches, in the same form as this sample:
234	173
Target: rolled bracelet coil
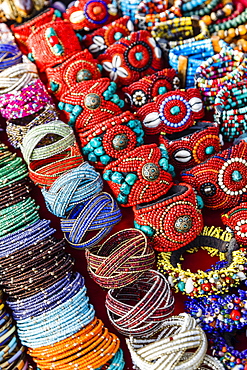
9	55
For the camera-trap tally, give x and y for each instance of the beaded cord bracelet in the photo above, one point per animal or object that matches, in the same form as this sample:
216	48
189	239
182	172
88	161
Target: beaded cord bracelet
86	15
223	313
147	88
139	309
91	103
18	76
73	72
221	179
16	129
177	335
230	23
172	112
111	139
173	220
52	43
131	58
140	176
128	8
98	214
190	147
202	10
18	191
73	187
121	259
226	273
9	56
223	12
105	36
235	221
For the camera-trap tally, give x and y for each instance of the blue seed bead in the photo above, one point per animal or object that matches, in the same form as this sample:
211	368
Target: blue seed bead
117	177
105	159
96	142
131	178
125	188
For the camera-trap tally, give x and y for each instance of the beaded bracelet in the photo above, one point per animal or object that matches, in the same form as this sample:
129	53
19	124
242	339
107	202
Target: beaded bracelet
98	214
235	221
216	280
203	10
139	176
227	66
18	191
221	180
223	313
9	56
121	259
140	308
111	139
173	220
73	187
192	146
231	23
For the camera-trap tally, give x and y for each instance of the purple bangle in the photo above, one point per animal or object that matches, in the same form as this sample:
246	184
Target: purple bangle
27	101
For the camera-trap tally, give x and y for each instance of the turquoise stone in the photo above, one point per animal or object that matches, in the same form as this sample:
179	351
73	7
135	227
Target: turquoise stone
139	56
57	13
147	230
118	36
132	123
171	170
107	175
209	150
30	57
96	142
68	107
61	105
131	179
125	188
58	49
137	226
77	110
181	286
50	32
200	202
123	199
236	176
99	151
117	177
162	90
163	162
72	120
105	159
54	86
92	157
175	110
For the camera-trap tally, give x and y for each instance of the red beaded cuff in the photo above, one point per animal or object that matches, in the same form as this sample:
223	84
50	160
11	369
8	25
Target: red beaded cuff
236	222
52	44
24	30
91	103
131	58
172	112
222	180
105	36
72	73
139	176
111	139
188	148
143	91
173	220
88	15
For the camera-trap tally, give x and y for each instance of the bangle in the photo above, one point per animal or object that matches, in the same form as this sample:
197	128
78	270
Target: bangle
147	88
231	23
219	278
87	16
52	43
111	139
131	58
222	313
235	221
98	214
221	180
223	11
73	72
173	220
172	112
24	30
71	188
140	308
103	37
195	145
139	176
91	103
28	100
121	259
203	10
9	56
179	333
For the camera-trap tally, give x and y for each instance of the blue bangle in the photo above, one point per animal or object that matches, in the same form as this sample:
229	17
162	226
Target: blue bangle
9	56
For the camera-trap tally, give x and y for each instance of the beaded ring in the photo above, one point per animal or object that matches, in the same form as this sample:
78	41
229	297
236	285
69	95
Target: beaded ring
121	259
9	56
73	72
139	176
131	58
98	214
221	180
219	278
235	221
173	220
105	36
147	88
140	308
111	139
52	43
172	112
192	146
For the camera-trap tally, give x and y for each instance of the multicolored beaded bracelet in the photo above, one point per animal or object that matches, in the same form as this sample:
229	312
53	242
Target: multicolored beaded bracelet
172	220
203	9
128	8
223	11
231	23
140	176
222	313
221	180
190	147
219	278
139	309
235	221
121	259
172	112
9	56
147	88
111	139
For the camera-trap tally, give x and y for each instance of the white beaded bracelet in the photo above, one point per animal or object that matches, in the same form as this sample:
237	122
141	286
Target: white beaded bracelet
209	362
